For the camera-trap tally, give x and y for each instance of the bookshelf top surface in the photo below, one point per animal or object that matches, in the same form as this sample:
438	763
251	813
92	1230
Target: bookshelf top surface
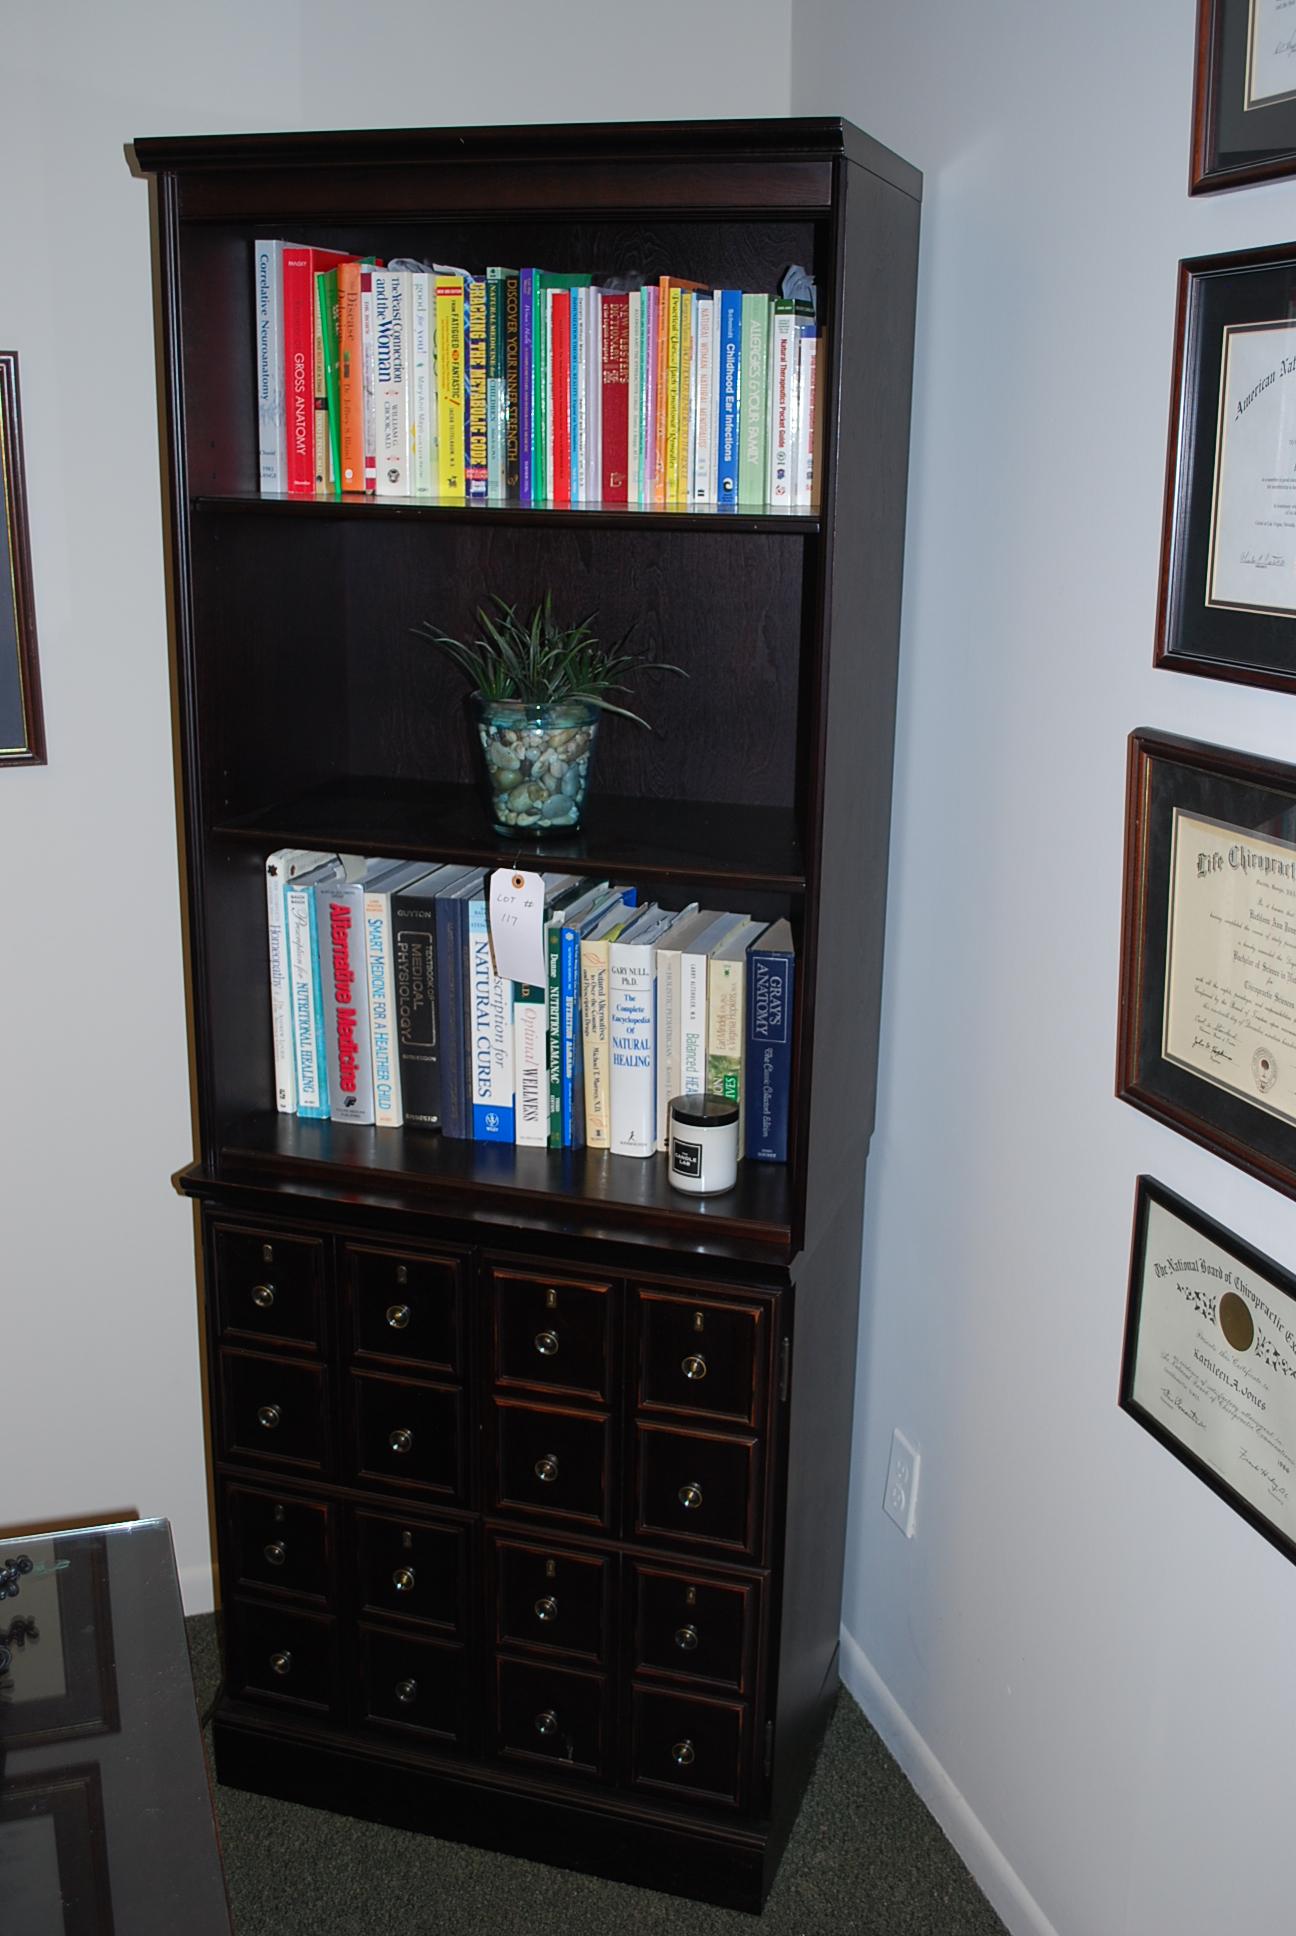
812	138
740	519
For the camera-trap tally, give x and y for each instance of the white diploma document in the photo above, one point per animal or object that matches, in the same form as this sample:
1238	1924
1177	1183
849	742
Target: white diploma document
1216	1364
1271	52
1253	511
1230	996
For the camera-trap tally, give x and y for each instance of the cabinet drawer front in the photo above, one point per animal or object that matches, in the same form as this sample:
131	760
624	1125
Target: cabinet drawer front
417	1572
279	1543
405	1307
692	1627
281	1656
699	1488
689	1746
553	1715
408	1435
418	1686
709	1359
552	1333
555	1463
273	1409
549	1598
268	1286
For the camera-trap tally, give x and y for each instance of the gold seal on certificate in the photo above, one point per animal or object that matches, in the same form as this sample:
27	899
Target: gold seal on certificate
1210	1357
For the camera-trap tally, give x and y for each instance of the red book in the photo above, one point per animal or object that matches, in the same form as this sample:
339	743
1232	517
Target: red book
300	268
560	396
616	399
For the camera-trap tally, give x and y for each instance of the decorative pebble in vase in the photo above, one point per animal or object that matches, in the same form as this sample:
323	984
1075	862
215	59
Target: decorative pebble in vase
537	762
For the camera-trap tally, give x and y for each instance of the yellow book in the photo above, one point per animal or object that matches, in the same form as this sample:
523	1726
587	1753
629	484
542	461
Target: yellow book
685	391
672	400
448	300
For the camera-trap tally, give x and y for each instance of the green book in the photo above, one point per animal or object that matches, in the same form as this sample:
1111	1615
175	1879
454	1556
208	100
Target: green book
753	402
326	295
545	279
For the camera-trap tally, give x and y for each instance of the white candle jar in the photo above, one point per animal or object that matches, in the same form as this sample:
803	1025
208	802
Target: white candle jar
703	1152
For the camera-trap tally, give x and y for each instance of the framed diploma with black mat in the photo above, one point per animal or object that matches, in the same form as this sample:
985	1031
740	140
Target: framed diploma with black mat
1244	100
1209	1365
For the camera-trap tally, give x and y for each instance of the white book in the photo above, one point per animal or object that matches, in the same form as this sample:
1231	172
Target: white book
339	915
692	1025
782	408
368	374
705	435
490	1035
384	1034
807	419
670	1034
594	1019
267	296
634	447
727	1014
422	373
391	300
531	1046
632	1083
688	431
280	868
305	985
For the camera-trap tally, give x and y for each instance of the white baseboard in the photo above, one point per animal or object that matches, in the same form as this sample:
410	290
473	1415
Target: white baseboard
994	1875
196	1592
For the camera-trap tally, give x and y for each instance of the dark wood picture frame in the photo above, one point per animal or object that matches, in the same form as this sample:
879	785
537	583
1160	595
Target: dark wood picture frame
73	1800
1147	1193
22	721
1233	144
1239	790
1219	641
88	1704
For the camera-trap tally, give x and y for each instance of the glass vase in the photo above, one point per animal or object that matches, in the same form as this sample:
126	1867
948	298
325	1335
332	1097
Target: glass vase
537	762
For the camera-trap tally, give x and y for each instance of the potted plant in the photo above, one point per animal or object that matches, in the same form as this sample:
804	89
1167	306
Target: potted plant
538	691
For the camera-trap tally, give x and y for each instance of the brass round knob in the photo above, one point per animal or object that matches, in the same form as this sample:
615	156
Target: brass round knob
690	1496
282	1661
694	1366
263	1296
546	1608
547	1723
276	1552
406	1691
401	1440
403	1579
268	1417
686	1639
398	1316
683	1754
546	1469
546	1343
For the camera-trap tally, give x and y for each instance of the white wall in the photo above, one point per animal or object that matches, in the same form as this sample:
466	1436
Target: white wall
99	1393
1084	1656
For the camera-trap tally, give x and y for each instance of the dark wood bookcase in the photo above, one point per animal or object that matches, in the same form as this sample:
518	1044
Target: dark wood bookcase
580	1604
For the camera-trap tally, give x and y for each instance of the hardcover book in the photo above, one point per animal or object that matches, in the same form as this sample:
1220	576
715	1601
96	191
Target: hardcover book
726	1014
282	867
771	979
417	984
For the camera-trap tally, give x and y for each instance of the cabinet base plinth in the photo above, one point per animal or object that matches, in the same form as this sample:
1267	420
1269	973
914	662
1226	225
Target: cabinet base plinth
702	1863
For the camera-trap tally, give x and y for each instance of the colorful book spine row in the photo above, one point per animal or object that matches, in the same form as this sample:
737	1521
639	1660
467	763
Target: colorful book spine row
524	385
386	1009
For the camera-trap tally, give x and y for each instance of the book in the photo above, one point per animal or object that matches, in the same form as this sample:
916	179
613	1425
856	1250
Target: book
670	989
577	922
803	451
326	293
420	1041
695	954
450	982
531	1034
614	374
767	1084
512	384
705	416
607	926
391	297
368	377
578	392
267	296
726	1014
632	1085
634	398
569	907
558	423
785	326
665	392
350	377
284	865
475	470
386	995
306	989
543	282
300	266
320	457
752	405
422	376
448	319
498	305
490	1031
728	381
339	914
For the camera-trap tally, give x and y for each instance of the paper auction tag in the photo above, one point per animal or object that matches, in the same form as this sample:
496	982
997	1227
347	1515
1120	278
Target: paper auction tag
517	926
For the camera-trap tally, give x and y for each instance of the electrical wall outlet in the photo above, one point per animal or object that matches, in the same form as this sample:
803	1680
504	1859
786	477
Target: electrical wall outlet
901	1501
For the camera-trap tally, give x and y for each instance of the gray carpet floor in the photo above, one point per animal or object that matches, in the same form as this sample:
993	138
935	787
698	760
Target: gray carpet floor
865	1859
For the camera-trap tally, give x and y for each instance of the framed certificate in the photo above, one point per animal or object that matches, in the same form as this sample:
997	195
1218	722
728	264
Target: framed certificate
1208	951
1209	1366
1244	102
22	727
1227	604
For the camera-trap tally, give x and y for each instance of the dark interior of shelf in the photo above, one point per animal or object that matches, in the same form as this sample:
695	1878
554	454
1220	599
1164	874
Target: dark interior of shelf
572	1186
634	840
766	519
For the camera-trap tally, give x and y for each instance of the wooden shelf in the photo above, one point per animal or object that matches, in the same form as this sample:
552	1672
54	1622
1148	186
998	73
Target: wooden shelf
702	517
571	1188
700	843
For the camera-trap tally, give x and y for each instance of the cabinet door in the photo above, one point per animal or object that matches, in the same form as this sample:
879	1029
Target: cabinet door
414	1685
692	1626
690	1747
281	1656
699	1488
277	1543
551	1715
556	1464
273	1410
407	1436
412	1570
704	1356
549	1599
268	1286
552	1333
405	1308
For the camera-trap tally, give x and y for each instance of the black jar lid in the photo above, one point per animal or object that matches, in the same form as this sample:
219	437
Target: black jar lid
704	1112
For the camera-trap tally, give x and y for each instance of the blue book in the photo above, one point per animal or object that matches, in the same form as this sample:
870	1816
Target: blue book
408	1022
306	988
729	370
451	927
767	1082
580	919
490	1033
568	910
